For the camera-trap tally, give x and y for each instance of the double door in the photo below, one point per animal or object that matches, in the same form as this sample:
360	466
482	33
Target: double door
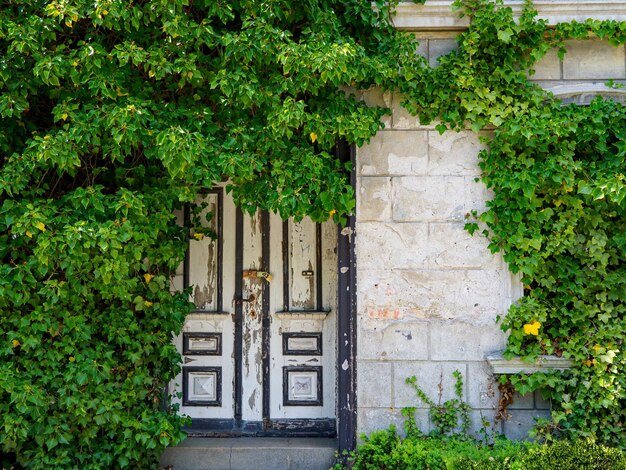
259	350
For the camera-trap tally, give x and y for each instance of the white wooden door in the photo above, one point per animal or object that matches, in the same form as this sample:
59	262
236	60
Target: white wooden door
259	351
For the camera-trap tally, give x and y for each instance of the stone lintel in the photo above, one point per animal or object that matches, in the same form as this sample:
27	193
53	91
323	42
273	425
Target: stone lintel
437	15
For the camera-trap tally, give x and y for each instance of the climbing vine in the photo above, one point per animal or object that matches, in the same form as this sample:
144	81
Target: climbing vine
558	213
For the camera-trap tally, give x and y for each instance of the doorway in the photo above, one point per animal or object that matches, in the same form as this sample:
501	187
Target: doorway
259	350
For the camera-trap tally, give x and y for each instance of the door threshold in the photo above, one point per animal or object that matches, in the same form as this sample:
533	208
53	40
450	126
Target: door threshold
258	453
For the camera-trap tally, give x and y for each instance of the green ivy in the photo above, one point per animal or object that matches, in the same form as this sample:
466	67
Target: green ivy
558	213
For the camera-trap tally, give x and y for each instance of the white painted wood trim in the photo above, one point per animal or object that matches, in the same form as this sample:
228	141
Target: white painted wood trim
502	366
295	315
208	316
437	15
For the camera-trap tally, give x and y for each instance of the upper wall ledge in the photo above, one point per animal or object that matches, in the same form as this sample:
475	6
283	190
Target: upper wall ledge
437	15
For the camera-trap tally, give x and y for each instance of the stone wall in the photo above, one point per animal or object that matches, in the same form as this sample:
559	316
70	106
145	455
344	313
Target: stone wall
428	292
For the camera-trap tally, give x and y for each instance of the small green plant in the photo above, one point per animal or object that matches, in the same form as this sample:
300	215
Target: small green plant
447	417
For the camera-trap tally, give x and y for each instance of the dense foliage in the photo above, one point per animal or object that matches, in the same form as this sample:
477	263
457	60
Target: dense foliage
114	114
559	208
387	450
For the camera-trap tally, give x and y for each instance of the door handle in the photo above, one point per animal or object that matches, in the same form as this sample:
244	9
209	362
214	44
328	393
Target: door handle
250	299
258	275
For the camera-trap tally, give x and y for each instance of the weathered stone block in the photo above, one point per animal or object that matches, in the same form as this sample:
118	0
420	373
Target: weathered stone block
453	153
482	385
374	419
395	341
469	296
435	380
477	195
548	68
402	119
522	402
374	382
373	198
450	246
484	424
419	245
592	59
463	342
376	97
394	153
428	198
521	421
541	403
385	246
422	48
438	48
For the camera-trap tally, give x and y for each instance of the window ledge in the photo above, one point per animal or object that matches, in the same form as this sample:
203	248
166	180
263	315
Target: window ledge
437	15
516	365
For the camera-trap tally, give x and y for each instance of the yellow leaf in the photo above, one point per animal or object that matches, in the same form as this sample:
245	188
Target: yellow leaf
75	63
150	73
333	212
64	116
15	343
72	359
198	236
313	136
147	303
148	277
41	226
29	234
532	328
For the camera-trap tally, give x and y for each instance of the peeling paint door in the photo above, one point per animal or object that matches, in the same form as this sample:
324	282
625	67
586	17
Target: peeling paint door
259	350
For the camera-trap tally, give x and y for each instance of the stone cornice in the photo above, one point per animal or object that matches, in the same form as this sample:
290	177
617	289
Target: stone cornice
437	15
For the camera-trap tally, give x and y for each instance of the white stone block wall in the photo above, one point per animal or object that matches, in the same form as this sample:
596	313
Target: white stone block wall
428	293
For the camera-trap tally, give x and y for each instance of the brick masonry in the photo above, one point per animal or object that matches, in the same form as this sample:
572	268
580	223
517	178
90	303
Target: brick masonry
428	292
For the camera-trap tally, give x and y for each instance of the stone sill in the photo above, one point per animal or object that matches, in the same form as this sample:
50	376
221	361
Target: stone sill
502	366
437	15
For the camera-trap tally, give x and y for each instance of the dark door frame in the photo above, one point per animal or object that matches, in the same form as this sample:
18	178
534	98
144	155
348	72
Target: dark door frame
346	319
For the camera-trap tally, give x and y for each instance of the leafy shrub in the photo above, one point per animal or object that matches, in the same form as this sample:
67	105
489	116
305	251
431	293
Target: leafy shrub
566	455
385	450
87	322
112	116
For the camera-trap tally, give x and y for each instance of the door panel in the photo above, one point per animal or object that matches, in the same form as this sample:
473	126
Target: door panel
259	350
252	314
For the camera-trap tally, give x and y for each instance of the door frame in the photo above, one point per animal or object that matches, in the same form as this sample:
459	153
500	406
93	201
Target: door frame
346	318
343	427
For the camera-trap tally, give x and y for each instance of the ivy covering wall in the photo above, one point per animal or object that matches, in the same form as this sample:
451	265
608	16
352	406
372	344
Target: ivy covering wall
558	214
